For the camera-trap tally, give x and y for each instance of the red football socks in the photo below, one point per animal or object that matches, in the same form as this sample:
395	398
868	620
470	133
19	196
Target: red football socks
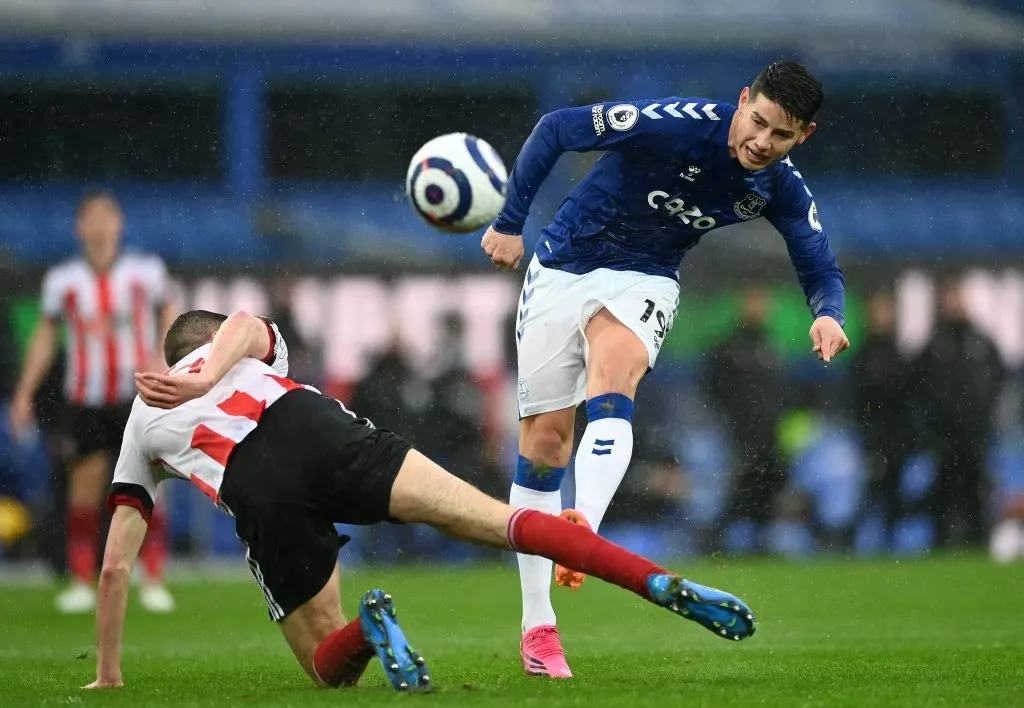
342	656
83	538
577	547
153	553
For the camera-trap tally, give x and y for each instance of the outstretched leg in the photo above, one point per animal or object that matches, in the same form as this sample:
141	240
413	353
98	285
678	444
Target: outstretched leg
423	492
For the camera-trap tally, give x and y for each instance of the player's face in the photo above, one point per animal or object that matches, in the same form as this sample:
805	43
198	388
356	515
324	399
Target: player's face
761	133
99	228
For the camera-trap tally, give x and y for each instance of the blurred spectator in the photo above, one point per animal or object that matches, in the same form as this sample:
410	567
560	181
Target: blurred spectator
879	379
656	485
960	379
302	360
453	420
393	395
745	384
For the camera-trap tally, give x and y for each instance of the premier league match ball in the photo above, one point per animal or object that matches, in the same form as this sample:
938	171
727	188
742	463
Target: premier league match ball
456	183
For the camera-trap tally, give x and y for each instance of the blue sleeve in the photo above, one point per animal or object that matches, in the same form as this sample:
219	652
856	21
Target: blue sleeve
600	126
794	213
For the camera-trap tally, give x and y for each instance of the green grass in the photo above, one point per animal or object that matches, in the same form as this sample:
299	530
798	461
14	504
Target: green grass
883	633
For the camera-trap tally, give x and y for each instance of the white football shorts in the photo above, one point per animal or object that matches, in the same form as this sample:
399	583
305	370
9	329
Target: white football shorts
554	309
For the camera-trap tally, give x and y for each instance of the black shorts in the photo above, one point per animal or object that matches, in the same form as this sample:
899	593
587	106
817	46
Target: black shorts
308	465
97	429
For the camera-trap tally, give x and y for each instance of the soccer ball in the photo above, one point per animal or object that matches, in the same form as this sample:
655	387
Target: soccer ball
456	183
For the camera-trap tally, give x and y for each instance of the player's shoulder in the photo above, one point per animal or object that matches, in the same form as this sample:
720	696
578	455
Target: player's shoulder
74	264
787	177
65	272
786	169
138	422
685	113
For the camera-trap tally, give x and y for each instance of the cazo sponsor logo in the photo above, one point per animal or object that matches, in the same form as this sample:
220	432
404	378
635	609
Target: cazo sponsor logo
691	216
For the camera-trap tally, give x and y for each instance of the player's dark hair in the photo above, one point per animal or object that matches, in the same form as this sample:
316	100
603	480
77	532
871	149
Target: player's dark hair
791	86
190	331
93	196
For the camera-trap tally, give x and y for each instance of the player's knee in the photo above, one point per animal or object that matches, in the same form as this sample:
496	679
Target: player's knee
546	444
618	374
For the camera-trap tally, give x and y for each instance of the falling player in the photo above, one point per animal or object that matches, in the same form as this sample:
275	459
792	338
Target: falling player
601	291
287	464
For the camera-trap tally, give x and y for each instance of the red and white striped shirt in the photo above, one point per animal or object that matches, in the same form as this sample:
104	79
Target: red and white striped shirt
111	323
194	440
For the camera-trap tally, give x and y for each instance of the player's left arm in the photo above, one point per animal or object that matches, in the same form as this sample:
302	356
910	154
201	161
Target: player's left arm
794	213
588	128
240	336
131	500
580	129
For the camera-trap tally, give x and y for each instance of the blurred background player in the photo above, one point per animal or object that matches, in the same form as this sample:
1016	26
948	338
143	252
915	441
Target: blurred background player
601	291
882	406
745	382
960	378
113	307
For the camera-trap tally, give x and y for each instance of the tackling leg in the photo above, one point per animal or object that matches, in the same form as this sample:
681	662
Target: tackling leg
423	492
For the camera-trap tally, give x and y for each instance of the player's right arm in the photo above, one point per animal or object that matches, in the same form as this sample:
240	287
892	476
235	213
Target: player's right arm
131	500
39	356
241	335
580	129
127	530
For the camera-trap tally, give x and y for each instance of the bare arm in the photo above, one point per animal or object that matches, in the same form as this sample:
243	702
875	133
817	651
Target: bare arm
241	335
127	529
38	359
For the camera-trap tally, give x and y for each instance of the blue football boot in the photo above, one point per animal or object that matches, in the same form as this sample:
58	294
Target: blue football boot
724	614
404	667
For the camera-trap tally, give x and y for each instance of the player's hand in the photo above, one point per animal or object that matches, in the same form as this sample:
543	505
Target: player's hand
505	250
828	337
21	414
106	682
162	391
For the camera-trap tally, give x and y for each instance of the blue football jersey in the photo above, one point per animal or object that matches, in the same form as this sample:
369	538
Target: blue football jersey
665	179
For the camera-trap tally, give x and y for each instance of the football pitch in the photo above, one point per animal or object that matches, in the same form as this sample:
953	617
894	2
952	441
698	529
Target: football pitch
933	632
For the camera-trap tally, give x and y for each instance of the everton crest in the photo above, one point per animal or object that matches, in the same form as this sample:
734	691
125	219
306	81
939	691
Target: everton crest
750	206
